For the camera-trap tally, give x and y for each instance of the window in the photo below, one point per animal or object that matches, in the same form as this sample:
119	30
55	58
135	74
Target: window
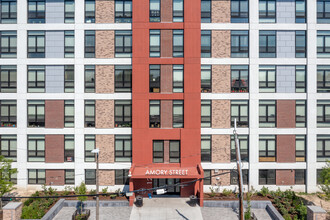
323	78
90	177
69	177
243	141
68	148
267	114
89	146
177	10
154	43
154	115
299	177
174	151
323	148
8	79
69	44
36	79
123	11
69	11
37	176
89	113
206	11
239	44
267	11
300	78
177	43
206	78
300	44
89	79
8	11
8	144
123	113
154	12
36	113
89	44
123	78
123	43
300	11
206	145
36	148
8	112
206	44
178	78
8	44
267	79
68	78
240	112
123	148
89	11
239	11
36	11
300	113
154	78
267	148
234	177
13	178
207	181
267	177
323	44
300	148
36	44
323	11
68	113
158	151
121	177
267	44
206	113
178	113
239	78
319	179
323	113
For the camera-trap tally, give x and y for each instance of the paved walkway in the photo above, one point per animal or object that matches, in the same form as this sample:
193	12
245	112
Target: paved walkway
210	213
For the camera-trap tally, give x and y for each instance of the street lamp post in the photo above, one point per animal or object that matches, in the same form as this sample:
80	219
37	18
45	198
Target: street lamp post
96	152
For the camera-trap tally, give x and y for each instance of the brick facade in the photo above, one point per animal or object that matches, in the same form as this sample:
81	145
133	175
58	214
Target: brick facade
55	177
220	113
104	114
224	179
54	148
166	43
221	44
107	177
106	144
284	177
166	151
166	78
104	11
54	114
104	44
220	11
221	78
104	79
286	148
166	10
166	113
220	148
286	113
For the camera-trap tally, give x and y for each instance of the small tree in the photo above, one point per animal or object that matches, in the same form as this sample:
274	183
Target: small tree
324	179
6	172
81	190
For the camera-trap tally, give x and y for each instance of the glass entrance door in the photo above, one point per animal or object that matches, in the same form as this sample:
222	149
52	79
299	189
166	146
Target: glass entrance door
165	182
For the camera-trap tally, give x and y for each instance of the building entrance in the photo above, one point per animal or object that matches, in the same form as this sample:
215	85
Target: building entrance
163	182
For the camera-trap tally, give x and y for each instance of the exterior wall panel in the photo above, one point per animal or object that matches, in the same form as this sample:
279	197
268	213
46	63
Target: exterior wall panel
286	148
54	11
54	44
285	79
166	8
221	79
54	79
166	83
284	177
104	80
220	113
104	44
286	113
54	148
166	43
166	113
104	11
54	114
220	148
285	44
286	11
221	44
104	114
221	11
107	177
106	144
55	177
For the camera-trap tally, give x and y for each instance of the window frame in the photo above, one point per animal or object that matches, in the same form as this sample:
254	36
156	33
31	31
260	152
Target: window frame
9	119
239	104
122	84
206	154
206	103
125	154
123	50
178	119
9	86
11	18
40	15
268	155
35	154
124	120
239	51
89	85
89	50
178	49
153	81
268	180
36	120
38	181
158	155
266	51
89	119
11	151
264	123
36	51
245	156
68	152
126	15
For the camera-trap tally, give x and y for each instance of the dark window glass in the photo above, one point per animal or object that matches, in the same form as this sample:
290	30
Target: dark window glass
206	113
69	148
206	78
8	79
239	44
154	13
323	79
8	146
239	78
323	148
89	79
69	78
89	11
267	148
300	113
299	177
240	112
206	148
178	114
323	11
36	44
300	148
267	11
243	145
300	78
36	148
323	44
8	11
300	11
300	44
8	113
36	11
69	177
206	44
239	11
90	177
123	148
8	44
178	11
234	177
89	146
267	113
121	177
36	79
323	113
89	44
267	44
123	43
178	75
36	113
123	11
267	177
154	78
177	43
123	78
319	179
89	113
158	151
36	176
154	43
123	113
174	151
207	173
69	11
154	114
206	11
267	79
68	113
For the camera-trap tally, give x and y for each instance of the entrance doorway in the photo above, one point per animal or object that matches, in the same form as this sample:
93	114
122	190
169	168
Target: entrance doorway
171	190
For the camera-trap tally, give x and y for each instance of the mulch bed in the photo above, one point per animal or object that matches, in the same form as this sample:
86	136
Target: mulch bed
220	196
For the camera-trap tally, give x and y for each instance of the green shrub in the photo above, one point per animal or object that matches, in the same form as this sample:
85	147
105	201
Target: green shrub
325	180
287	217
212	194
264	191
227	192
105	190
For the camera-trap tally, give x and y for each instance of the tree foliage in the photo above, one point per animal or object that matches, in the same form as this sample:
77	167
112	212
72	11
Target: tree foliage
6	170
324	179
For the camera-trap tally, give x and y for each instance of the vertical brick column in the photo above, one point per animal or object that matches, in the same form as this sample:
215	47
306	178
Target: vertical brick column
54	114
166	78
220	113
104	11
54	148
104	44
104	114
166	151
107	177
286	148
284	177
221	11
12	211
55	177
224	179
166	10
221	79
286	113
221	44
104	79
106	144
166	112
220	149
166	43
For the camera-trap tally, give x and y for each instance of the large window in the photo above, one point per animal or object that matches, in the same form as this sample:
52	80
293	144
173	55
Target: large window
69	11
154	78
323	148
123	78
206	113
89	11
36	113
177	43
300	113
300	148
36	44
123	148
8	11
299	177
300	11
243	141
267	114
8	79
239	44
206	78
323	11
206	148
267	11
90	177
69	177
8	44
8	112
267	44
323	78
68	148
158	151
8	145
178	11
267	148
300	78
123	113
90	79
154	43
37	176
174	152
68	78
36	148
178	113
154	11
178	78
206	44
89	113
36	79
69	44
89	146
323	113
68	113
206	11
234	177
267	79
121	177
323	44
123	43
240	112
36	11
267	177
123	11
239	11
154	114
300	44
207	181
89	44
239	78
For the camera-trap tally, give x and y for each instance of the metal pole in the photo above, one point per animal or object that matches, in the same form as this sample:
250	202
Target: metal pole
239	169
97	187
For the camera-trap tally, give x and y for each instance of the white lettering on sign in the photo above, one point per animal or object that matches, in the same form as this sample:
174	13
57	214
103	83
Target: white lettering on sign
167	172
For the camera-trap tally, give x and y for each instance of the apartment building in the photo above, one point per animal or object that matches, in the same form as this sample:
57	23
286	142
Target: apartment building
157	84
